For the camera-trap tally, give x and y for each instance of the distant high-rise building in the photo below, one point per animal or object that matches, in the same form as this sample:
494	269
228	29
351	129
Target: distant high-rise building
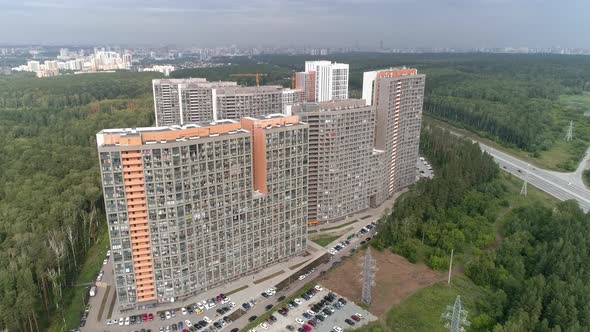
34	65
182	101
291	97
329	80
193	207
127	59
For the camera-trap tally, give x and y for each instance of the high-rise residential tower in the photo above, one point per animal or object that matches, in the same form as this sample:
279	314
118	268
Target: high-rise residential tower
184	101
329	81
341	138
398	96
192	207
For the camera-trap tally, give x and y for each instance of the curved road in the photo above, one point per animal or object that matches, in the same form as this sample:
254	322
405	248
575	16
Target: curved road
554	183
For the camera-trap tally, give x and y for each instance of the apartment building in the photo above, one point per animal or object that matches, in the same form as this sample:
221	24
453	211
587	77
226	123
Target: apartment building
362	153
167	101
193	207
341	139
398	96
329	81
291	97
184	101
239	101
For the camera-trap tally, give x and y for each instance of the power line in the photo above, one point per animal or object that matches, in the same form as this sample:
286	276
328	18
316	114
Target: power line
368	277
570	132
456	316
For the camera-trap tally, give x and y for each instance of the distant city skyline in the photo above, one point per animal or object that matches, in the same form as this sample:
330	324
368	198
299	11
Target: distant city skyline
334	23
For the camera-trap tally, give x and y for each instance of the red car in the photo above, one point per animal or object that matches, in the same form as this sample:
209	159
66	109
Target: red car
144	317
150	317
218	297
306	327
355	318
185	330
285	309
312	323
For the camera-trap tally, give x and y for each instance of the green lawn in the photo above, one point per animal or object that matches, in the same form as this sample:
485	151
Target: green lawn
422	311
560	153
324	240
74	297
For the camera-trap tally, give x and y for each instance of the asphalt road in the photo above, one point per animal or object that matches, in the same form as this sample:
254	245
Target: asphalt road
546	181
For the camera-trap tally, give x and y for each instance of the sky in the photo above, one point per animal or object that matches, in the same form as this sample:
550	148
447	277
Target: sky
317	23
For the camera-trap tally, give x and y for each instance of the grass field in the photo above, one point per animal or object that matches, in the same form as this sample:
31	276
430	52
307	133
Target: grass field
560	153
324	240
74	297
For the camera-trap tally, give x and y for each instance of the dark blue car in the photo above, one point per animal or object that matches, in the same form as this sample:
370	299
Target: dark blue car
306	315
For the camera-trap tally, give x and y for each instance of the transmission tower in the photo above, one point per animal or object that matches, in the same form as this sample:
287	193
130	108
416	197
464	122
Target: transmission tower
368	276
456	316
523	190
570	132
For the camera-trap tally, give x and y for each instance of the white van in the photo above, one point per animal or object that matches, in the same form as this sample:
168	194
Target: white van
93	291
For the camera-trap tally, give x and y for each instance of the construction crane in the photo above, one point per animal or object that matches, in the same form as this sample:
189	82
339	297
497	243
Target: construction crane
257	75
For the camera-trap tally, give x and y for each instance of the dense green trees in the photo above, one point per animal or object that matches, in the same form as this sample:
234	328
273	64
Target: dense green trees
510	98
455	210
50	197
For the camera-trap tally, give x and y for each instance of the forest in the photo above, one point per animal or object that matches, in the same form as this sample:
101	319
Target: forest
51	210
534	273
511	99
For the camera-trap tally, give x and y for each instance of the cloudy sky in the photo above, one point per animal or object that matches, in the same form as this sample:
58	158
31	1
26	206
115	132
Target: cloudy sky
399	23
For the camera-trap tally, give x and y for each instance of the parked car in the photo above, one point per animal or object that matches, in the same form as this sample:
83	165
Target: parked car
252	318
290	328
355	318
268	307
281	298
307	327
337	329
349	322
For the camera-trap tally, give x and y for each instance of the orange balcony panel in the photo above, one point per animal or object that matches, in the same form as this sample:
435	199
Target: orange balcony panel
135	195
140	199
131	153
135	189
141	236
132	168
138	215
136	208
144	270
141	246
133	183
133	175
138	252
147	278
146	288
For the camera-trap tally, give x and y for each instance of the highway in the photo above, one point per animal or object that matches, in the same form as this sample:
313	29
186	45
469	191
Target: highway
546	181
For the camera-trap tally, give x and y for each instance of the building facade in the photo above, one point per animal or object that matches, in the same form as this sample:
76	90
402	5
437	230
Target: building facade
193	207
398	96
328	80
341	137
360	153
184	101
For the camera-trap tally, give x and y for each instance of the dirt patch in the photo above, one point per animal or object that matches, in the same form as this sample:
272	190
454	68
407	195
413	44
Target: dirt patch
396	279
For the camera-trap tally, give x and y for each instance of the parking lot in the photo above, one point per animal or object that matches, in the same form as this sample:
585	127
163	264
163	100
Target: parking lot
295	316
422	169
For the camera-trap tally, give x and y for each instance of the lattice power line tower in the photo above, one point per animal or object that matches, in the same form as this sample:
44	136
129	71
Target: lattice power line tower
524	189
570	132
456	316
368	277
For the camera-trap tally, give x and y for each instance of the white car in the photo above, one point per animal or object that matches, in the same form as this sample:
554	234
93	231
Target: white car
332	251
337	329
222	322
232	305
127	320
224	301
331	309
168	315
301	277
298	301
318	288
188	323
359	315
200	306
105	261
299	321
121	321
207	319
108	253
311	312
264	325
251	330
183	310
